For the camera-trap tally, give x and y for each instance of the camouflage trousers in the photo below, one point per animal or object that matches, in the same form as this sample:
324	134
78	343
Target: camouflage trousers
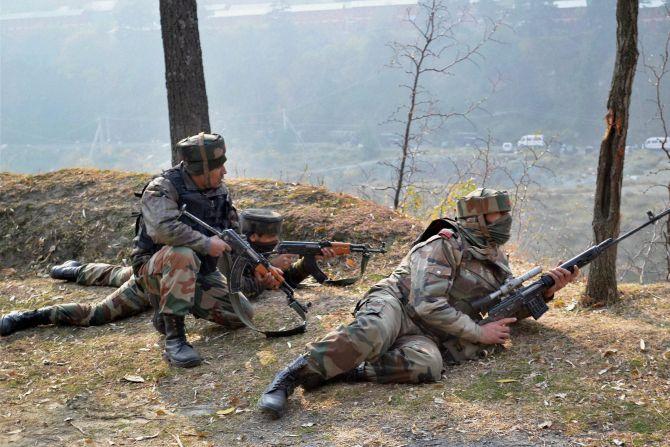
130	298
126	301
96	274
171	275
382	336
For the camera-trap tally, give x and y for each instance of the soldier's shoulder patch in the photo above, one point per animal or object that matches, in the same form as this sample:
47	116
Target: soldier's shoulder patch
446	233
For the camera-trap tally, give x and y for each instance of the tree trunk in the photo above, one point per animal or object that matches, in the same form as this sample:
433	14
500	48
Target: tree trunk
602	284
667	242
184	75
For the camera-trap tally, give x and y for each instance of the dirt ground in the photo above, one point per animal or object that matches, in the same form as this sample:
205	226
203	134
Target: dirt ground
575	377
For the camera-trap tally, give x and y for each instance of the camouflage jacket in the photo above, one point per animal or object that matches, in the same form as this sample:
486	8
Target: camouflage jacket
161	212
437	279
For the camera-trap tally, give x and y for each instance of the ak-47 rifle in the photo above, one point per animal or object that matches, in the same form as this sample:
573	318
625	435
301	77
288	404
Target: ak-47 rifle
259	263
530	298
310	250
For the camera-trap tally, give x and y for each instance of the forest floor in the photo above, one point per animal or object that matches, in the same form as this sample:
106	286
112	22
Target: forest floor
575	377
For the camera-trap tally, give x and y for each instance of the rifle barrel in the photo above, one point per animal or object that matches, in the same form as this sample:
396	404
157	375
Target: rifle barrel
651	220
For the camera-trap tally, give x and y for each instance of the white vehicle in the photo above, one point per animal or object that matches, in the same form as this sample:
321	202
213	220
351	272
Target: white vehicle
531	141
507	147
656	143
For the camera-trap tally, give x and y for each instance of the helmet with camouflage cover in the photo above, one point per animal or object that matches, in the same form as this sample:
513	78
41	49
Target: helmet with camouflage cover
483	201
202	153
472	208
260	221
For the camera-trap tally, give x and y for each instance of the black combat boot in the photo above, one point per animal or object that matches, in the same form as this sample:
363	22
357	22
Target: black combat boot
273	399
17	321
178	351
67	270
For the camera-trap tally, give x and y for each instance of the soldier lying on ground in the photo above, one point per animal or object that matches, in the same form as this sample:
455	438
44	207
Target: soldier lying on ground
262	227
409	324
174	262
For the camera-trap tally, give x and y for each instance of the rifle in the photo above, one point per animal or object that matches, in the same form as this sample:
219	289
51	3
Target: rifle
260	264
309	250
482	305
531	298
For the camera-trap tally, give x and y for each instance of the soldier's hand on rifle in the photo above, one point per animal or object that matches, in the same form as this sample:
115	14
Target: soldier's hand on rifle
217	246
283	262
269	280
496	331
327	253
561	277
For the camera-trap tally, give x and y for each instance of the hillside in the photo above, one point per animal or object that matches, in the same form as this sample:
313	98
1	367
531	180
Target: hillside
575	377
86	214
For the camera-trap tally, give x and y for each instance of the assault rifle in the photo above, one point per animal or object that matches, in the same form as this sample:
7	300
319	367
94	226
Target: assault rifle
260	264
530	298
310	250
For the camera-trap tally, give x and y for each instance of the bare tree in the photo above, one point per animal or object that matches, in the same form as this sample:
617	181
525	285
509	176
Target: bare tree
657	72
436	50
484	168
184	75
602	282
638	262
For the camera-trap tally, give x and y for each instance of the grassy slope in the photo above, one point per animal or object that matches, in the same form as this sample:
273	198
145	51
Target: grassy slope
581	372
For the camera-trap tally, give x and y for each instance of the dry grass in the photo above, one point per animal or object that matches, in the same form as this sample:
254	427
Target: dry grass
580	374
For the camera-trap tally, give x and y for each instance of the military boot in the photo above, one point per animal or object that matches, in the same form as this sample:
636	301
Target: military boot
273	400
17	321
69	270
178	351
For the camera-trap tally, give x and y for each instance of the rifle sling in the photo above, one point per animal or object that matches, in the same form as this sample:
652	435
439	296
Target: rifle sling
235	294
349	281
299	329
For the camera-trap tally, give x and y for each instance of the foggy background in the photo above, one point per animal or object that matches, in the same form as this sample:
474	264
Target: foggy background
301	91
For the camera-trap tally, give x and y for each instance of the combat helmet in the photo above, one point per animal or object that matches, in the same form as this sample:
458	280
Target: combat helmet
202	153
260	221
471	209
483	201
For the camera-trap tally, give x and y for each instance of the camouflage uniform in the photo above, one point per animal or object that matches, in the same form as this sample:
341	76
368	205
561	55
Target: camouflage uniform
130	299
126	301
173	273
409	323
99	274
405	320
420	316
